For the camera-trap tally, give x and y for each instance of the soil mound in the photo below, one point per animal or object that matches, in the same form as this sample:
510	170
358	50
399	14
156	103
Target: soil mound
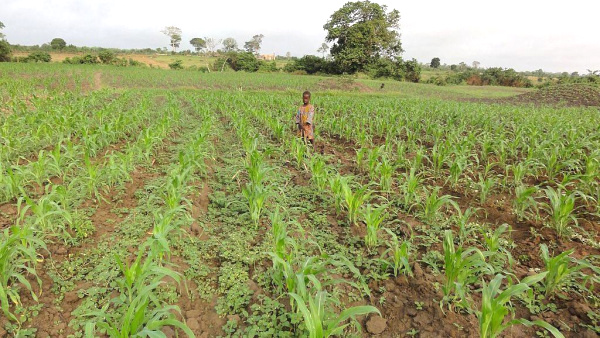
573	94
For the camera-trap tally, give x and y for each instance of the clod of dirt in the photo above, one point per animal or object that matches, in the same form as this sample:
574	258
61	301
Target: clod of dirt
376	325
193	324
589	334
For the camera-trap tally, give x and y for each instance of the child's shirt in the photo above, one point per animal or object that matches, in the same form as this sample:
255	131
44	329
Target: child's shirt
305	115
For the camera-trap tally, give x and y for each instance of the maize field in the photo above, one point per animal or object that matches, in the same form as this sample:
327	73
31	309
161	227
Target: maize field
154	203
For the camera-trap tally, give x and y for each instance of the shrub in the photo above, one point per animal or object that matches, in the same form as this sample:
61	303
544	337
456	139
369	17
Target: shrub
177	64
107	57
38	57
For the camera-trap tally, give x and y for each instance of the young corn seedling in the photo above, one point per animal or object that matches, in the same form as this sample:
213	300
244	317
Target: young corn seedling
373	160
432	204
93	178
373	217
524	200
18	257
256	197
319	319
485	185
465	227
495	245
385	170
409	187
12	182
564	272
300	151
462	268
353	200
494	308
561	210
398	255
336	184
319	174
457	167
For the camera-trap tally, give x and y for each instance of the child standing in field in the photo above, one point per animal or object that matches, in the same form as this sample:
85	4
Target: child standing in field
304	119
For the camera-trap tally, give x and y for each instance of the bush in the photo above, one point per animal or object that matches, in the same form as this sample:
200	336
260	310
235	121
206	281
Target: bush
386	68
38	57
412	70
238	61
5	51
107	57
270	67
177	64
87	59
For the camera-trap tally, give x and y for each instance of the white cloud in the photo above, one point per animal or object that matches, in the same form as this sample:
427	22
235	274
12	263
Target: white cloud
524	35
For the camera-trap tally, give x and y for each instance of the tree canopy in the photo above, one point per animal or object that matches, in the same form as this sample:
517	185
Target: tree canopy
363	32
1	34
58	43
174	34
198	44
230	45
435	62
253	46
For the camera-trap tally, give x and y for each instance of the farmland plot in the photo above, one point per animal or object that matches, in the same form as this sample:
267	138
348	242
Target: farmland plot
149	204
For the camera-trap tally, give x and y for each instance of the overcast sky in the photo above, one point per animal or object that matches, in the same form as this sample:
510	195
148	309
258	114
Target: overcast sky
524	34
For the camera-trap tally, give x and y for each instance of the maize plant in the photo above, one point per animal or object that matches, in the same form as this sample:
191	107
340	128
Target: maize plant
373	217
561	210
462	268
18	258
432	205
524	200
353	200
336	184
319	173
494	308
409	188
398	255
319	319
564	272
256	197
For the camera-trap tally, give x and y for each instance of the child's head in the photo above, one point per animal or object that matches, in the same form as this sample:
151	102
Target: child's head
306	97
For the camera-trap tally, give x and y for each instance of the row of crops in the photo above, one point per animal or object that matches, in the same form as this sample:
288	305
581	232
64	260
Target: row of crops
152	212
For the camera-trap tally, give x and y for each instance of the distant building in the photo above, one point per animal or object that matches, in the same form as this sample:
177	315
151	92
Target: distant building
267	57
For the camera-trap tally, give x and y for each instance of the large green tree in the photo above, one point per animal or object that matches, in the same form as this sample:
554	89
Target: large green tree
198	43
253	46
58	43
435	62
362	32
1	27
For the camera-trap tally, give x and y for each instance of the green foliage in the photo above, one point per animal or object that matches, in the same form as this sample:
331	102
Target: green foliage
175	65
373	217
564	272
198	44
18	257
58	43
435	62
361	33
253	46
107	57
38	57
87	59
5	51
461	269
494	307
